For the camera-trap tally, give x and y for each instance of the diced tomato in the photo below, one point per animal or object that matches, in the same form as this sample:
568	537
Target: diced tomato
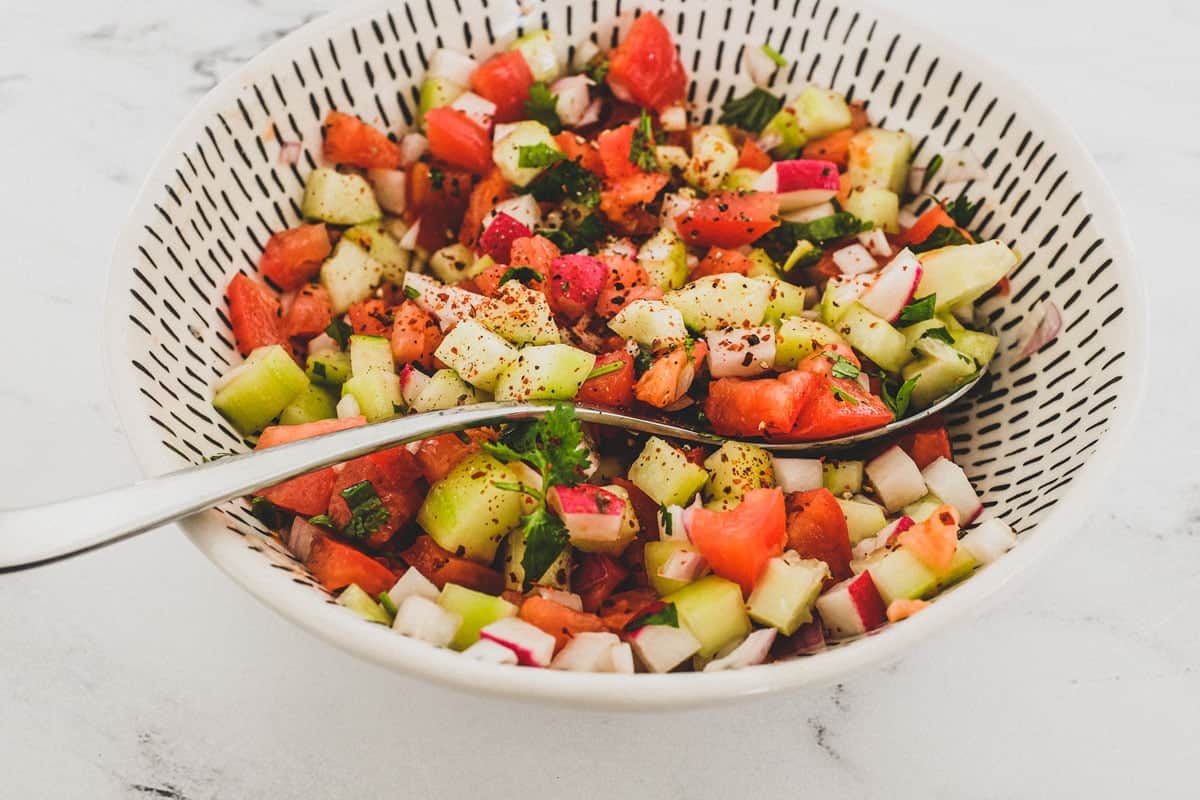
559	621
934	540
664	382
738	543
936	217
596	578
505	80
441	567
487	193
396	478
307	495
718	261
645	67
537	253
276	435
903	608
440	454
623	275
415	335
622	608
858	116
349	140
835	147
816	528
751	157
759	406
438	200
498	237
577	148
293	257
336	565
614	146
575	282
836	406
623	201
729	219
310	313
488	281
614	390
370	317
927	444
456	139
254	313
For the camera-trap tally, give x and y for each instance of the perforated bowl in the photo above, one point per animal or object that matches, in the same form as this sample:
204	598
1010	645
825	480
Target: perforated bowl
1035	444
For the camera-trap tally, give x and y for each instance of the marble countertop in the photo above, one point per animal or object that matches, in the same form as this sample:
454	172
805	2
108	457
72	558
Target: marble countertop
141	671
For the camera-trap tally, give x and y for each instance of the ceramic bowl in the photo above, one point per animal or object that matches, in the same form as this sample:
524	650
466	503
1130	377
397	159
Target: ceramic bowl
1035	444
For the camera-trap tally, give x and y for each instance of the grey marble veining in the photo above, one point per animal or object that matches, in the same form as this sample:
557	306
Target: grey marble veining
142	672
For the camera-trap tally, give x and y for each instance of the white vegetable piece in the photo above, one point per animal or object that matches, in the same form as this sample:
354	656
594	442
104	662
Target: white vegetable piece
797	474
413	584
854	260
348	407
422	618
673	118
573	99
412	383
451	65
809	214
895	286
752	650
390	187
587	652
760	66
412	147
523	208
683	565
448	304
662	648
989	540
741	352
475	353
876	242
532	645
479	109
488	651
673	205
677	530
409	240
622	659
948	481
896	478
568	599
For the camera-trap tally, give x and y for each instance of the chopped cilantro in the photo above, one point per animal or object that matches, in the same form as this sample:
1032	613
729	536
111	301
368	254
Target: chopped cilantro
367	512
340	332
545	538
606	369
845	397
573	237
942	236
773	54
266	512
641	147
665	614
752	111
917	311
411	293
389	606
520	274
664	516
898	401
321	519
962	210
934	165
938	333
437	177
845	368
536	156
542	106
566	180
780	242
643	360
597	69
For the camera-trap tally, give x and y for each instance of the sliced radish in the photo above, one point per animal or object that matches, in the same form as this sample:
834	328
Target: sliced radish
852	607
896	478
673	118
390	188
876	242
488	651
573	98
673	206
740	352
413	584
412	147
502	230
760	66
588	512
895	286
809	214
568	599
672	526
1039	329
797	474
662	648
412	383
587	652
752	650
523	208
622	659
348	407
683	565
448	304
989	540
479	109
623	247
421	618
321	344
409	240
800	182
854	260
592	115
948	481
451	65
532	645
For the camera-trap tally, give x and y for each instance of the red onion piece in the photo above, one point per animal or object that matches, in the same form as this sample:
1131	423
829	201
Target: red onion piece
289	152
1046	329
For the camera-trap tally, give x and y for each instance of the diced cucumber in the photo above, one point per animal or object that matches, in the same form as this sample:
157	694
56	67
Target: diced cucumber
713	610
785	300
665	474
671	157
370	353
380	245
331	369
721	301
784	595
453	263
734	469
655	556
923	509
938	371
258	390
519	314
979	346
512	553
506	152
349	275
466	513
962	565
443	390
915	332
963	273
762	265
437	93
741	179
713	157
377	394
545	372
650	323
802	254
478	610
315	402
664	257
338	198
880	158
799	338
476	354
814	113
357	600
875	204
840	294
901	576
862	519
874	337
842	477
540	54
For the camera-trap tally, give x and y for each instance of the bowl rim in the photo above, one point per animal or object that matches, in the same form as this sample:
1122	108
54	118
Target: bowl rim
641	691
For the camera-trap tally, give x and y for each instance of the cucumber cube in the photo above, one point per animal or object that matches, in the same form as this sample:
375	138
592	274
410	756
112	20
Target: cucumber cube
842	477
784	595
923	509
665	474
257	391
863	519
721	301
338	198
314	403
453	263
478	610
799	338
915	332
962	565
734	469
383	247
880	158
655	555
519	314
713	610
331	369
876	205
961	274
506	152
370	354
874	337
541	55
979	346
436	93
821	112
901	575
466	513
512	553
741	179
349	275
938	371
762	265
545	372
784	300
357	600
664	257
443	390
650	323
476	354
377	394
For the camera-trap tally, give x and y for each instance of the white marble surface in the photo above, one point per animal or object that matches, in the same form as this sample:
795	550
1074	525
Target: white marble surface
143	672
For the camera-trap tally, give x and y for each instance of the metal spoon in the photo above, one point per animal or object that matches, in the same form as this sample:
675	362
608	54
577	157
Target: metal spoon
42	534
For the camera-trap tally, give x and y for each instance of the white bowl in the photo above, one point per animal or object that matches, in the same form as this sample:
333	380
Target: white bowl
1036	445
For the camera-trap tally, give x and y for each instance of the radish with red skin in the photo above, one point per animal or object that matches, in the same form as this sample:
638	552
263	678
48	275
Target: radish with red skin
532	645
895	286
575	284
421	618
662	648
588	512
490	652
948	482
587	652
852	607
800	182
896	478
499	236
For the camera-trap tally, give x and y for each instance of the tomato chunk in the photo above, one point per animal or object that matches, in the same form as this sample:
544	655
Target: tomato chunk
751	157
415	335
490	190
738	543
458	140
835	406
505	80
718	261
349	140
621	609
441	567
927	444
624	201
624	275
927	223
596	578
310	313
759	406
370	317
396	478
254	313
336	565
440	454
729	219
816	528
559	621
293	257
305	494
645	67
614	390
934	540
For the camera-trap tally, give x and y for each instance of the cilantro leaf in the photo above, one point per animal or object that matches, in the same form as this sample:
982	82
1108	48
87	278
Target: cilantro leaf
536	156
938	333
752	111
664	516
641	147
266	512
367	511
917	311
597	69
898	401
322	520
845	397
561	436
411	293
962	210
942	236
665	614
520	274
566	180
437	178
781	241
542	106
575	236
845	368
340	332
545	538
606	369
934	165
774	55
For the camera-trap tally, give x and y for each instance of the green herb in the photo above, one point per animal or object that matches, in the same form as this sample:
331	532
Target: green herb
340	332
367	512
266	512
780	242
411	293
437	177
321	519
606	369
938	333
536	156
752	111
844	396
545	539
573	237
962	210
845	368
664	516
934	165
942	236
773	54
389	606
898	401
641	147
643	360
566	180
664	615
542	106
917	311
597	69
520	274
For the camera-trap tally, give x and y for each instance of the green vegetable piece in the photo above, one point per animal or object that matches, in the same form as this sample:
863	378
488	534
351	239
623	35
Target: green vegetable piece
257	391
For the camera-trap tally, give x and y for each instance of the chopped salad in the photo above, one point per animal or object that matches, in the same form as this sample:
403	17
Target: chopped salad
577	237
